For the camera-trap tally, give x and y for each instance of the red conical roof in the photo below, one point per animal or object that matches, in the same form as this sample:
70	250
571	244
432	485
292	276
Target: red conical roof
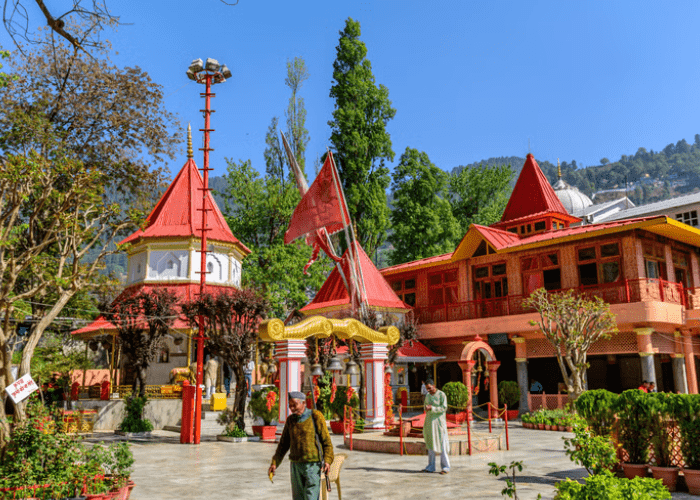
178	213
532	194
333	292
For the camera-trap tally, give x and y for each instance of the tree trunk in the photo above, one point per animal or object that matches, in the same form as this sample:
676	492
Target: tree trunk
5	379
141	377
241	394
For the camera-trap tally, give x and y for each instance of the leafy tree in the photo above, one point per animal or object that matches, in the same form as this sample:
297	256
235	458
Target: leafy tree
75	132
142	321
422	220
297	74
231	321
572	323
604	161
479	194
359	137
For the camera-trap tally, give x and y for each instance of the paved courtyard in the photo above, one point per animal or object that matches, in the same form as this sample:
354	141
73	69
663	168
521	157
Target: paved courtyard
167	470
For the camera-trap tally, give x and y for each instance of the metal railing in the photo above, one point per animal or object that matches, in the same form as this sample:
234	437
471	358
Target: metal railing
620	292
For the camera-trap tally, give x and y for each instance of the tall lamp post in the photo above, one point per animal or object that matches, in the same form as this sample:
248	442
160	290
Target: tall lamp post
208	73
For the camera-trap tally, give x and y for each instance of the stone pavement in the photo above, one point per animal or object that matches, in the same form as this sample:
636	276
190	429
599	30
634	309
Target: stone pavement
167	470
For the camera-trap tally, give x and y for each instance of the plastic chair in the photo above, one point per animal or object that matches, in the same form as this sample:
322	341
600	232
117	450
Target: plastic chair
333	475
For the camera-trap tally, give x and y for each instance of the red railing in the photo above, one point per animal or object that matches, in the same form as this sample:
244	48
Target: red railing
620	292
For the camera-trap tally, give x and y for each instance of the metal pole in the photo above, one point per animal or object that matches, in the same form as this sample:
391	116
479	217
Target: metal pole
203	262
469	435
488	406
505	413
400	430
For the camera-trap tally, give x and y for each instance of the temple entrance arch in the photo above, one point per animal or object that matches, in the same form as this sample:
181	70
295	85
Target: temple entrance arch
467	362
290	350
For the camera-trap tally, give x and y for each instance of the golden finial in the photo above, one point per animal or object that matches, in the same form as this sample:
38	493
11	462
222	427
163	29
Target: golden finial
189	141
558	168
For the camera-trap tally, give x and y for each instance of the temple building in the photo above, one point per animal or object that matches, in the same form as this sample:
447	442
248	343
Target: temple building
166	253
470	302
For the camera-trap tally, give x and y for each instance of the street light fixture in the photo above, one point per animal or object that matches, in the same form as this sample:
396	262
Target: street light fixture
208	74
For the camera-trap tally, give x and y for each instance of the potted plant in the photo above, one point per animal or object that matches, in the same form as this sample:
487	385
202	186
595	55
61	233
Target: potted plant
662	408
688	417
340	397
540	419
596	407
525	419
264	404
633	431
509	395
457	401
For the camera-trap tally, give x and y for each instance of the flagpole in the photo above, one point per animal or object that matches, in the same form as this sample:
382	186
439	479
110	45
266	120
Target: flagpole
303	188
351	243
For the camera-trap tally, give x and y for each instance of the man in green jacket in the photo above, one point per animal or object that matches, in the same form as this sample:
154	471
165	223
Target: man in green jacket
306	437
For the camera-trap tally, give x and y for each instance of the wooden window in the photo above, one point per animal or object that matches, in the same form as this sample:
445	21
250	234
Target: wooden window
442	288
540	226
690	218
681	268
539	271
599	263
406	290
490	281
654	259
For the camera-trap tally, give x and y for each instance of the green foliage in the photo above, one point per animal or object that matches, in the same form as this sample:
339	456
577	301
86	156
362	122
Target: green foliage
688	418
258	212
479	194
259	404
509	393
594	452
358	134
510	490
572	322
457	396
596	406
133	419
38	454
341	400
634	424
422	220
662	407
605	486
234	431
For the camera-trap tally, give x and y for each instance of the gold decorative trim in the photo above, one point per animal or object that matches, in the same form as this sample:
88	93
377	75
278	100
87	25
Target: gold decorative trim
643	331
273	330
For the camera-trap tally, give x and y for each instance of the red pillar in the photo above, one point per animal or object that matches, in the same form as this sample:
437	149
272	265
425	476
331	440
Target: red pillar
493	383
467	367
186	428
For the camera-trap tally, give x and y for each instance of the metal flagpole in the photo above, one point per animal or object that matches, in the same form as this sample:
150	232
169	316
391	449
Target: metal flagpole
351	243
303	188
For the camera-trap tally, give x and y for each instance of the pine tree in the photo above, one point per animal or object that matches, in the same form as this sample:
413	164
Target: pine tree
359	137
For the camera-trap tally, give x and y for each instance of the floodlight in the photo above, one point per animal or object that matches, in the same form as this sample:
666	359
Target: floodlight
211	65
191	75
196	66
225	71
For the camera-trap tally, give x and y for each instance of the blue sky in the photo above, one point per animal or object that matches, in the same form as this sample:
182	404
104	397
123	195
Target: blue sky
469	80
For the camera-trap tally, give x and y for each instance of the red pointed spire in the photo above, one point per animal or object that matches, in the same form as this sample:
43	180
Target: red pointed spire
179	212
333	293
532	194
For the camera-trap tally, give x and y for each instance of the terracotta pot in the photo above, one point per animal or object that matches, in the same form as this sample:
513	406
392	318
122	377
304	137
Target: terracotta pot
512	414
130	485
540	427
457	418
569	428
668	476
692	479
547	427
634	470
337	427
266	432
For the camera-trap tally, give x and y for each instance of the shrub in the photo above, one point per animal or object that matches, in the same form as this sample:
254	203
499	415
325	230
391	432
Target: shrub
596	407
509	393
265	404
133	419
457	396
234	431
605	486
341	399
662	408
634	424
688	416
595	453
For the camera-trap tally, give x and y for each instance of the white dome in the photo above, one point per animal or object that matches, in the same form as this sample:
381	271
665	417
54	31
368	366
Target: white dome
573	200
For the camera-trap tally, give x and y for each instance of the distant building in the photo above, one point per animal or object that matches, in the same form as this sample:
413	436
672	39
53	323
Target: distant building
682	208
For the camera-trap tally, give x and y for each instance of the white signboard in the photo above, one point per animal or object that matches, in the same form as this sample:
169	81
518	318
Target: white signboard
20	389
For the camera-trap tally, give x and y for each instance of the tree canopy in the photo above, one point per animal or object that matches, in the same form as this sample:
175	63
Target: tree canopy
422	217
359	137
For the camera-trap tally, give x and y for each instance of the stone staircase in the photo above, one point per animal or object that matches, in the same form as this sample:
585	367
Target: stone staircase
210	427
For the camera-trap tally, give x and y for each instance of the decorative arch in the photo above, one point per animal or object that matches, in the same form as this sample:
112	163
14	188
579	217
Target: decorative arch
169	266
471	348
273	330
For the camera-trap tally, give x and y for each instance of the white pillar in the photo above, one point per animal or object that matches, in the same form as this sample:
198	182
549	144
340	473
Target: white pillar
289	355
374	356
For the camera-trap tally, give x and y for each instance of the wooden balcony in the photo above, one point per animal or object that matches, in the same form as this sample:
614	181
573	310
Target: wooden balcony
620	292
